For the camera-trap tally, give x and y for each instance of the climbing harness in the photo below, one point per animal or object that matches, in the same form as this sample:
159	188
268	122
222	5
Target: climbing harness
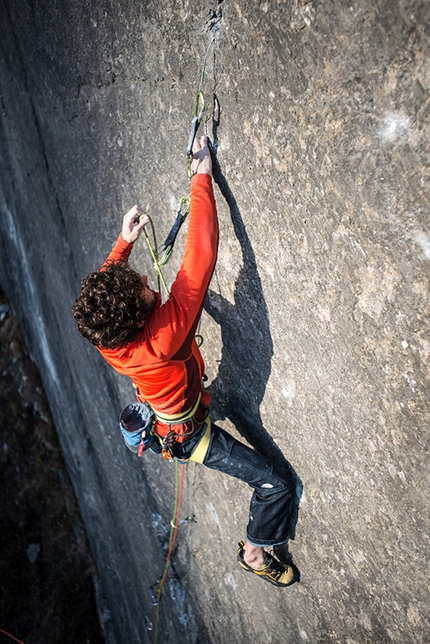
179	419
192	425
201	449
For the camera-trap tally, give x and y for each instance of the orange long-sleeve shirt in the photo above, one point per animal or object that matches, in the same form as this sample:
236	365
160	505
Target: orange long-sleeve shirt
164	361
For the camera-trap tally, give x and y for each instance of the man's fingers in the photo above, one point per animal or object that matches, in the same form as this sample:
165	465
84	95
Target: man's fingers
199	144
196	145
134	213
133	223
143	221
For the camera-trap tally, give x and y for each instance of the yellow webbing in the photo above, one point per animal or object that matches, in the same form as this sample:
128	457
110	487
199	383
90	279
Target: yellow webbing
200	451
178	419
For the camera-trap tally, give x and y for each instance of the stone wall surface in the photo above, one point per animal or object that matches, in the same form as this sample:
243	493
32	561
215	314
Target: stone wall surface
316	325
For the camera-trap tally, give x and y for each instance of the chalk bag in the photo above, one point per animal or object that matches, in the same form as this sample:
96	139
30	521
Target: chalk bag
135	424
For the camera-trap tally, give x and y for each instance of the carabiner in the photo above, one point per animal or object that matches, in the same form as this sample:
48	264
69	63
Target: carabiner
184	202
199	107
200	99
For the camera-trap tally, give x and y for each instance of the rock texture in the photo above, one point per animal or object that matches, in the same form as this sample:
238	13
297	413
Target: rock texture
316	328
48	583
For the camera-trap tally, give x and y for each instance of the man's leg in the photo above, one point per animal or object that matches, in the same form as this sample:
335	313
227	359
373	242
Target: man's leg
272	500
253	555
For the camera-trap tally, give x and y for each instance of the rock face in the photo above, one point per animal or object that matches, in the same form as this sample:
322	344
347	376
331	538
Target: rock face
48	581
316	327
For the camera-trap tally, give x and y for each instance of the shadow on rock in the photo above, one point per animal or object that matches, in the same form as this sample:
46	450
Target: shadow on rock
247	348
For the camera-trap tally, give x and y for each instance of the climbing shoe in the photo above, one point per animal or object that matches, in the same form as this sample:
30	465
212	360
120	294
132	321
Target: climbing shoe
272	570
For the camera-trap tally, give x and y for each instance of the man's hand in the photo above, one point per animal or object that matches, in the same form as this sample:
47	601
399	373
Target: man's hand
202	161
133	224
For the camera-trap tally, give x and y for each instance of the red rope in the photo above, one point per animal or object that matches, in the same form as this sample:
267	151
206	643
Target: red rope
9	635
176	524
166	567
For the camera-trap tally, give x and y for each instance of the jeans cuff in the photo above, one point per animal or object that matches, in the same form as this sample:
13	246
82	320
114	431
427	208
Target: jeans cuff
265	544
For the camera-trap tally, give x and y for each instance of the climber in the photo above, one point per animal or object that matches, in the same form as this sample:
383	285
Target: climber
154	344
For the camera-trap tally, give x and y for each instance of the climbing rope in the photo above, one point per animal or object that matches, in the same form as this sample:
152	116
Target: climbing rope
199	106
152	245
174	525
160	257
11	636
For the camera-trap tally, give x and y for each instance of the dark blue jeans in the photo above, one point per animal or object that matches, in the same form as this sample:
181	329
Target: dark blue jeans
272	501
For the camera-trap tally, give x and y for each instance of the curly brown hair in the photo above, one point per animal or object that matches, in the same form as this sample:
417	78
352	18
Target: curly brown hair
111	308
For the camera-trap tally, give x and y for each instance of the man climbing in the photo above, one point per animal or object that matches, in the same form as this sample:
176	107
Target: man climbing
154	344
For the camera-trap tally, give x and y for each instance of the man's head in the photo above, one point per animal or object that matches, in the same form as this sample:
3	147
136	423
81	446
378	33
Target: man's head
113	306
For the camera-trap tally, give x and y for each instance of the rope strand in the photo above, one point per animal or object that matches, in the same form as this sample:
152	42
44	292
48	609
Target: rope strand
179	478
174	525
154	256
9	635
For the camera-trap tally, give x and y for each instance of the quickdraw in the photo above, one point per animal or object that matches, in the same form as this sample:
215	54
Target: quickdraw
166	249
161	255
199	107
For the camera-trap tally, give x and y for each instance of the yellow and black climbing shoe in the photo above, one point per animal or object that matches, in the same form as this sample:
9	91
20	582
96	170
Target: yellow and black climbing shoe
272	570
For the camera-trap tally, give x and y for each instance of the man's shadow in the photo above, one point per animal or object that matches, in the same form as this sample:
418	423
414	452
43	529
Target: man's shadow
247	348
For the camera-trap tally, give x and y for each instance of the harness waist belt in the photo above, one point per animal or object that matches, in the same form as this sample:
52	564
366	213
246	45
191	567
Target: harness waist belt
178	419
